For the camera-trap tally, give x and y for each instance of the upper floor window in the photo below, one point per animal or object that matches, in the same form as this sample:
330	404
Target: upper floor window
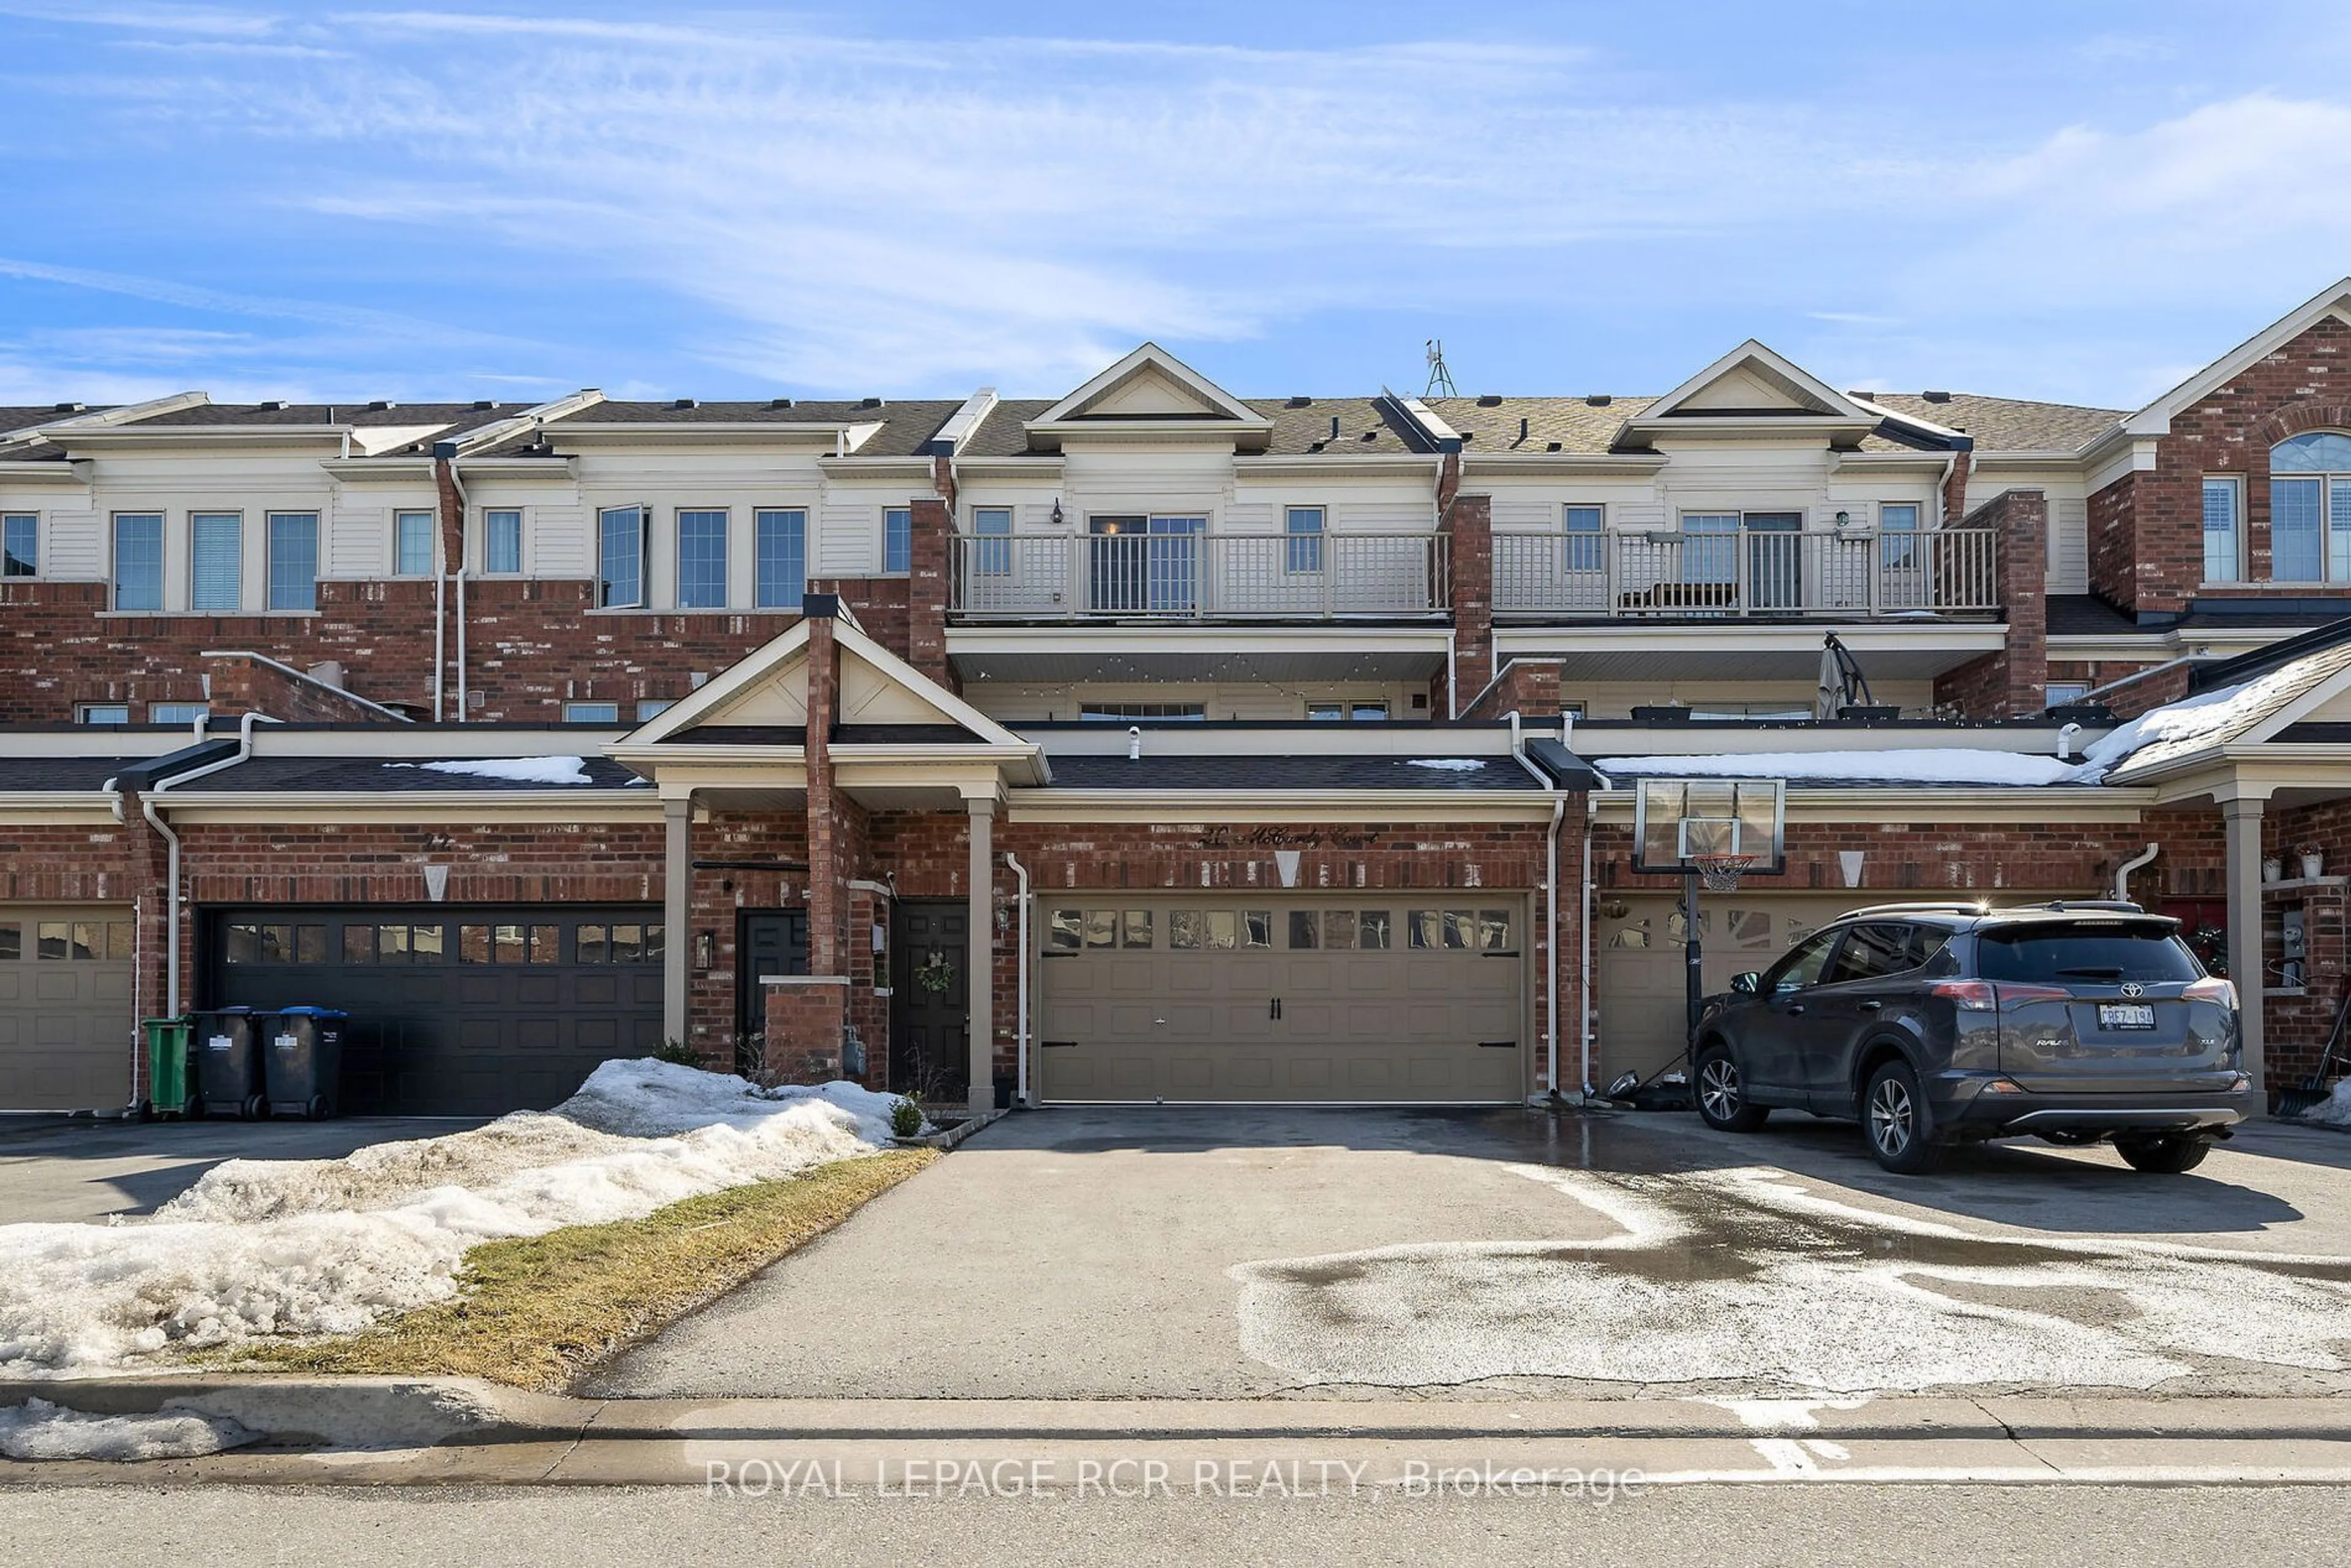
215	561
2224	518
591	713
1898	524
621	558
1357	712
102	713
702	559
1304	525
2310	507
138	560
20	545
177	713
993	524
502	541
783	555
897	538
411	544
293	560
653	708
1114	712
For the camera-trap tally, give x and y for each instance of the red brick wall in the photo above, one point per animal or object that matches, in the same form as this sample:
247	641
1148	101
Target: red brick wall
2011	681
531	645
2304	385
2114	545
2152	690
931	544
768	853
1468	527
2295	1027
244	682
1528	686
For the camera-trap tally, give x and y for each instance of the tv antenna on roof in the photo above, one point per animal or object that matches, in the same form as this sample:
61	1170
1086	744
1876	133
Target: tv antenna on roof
1440	380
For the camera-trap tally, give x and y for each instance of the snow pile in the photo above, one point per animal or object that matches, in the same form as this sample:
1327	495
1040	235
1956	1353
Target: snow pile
510	770
1914	764
299	1247
2335	1109
37	1429
1448	764
2192	719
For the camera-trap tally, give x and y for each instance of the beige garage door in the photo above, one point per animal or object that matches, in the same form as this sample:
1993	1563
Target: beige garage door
1640	952
1343	1000
66	1013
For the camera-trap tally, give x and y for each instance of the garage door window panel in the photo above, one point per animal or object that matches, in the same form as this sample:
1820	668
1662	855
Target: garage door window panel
11	943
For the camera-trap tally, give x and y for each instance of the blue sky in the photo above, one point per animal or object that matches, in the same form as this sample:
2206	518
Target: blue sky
2081	200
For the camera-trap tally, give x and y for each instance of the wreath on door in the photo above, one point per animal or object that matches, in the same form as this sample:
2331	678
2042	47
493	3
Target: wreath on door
935	974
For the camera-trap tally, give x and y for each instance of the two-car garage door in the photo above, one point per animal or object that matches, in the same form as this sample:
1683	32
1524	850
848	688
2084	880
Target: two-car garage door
1345	998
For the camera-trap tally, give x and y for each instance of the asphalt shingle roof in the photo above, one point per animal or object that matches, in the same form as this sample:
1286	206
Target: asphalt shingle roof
377	775
2007	424
75	774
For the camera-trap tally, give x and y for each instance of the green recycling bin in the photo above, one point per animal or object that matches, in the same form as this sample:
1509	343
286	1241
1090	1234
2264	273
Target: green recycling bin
167	1067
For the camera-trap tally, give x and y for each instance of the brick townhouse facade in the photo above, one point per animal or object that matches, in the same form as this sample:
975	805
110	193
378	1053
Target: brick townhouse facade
1147	743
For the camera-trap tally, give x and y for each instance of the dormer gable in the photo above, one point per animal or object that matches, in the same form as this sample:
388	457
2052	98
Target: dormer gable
1752	391
1150	395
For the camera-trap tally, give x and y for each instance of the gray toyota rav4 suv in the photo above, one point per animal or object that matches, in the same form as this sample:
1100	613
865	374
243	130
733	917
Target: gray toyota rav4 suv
1940	1023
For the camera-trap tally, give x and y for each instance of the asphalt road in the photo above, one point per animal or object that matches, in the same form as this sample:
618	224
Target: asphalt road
1243	1253
1693	1527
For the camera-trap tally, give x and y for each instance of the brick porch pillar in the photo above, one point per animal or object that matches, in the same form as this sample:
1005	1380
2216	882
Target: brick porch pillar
927	587
1469	524
980	968
805	1019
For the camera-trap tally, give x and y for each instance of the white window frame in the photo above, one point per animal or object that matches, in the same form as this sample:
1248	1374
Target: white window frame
571	714
2235	484
236	605
642	515
8	522
186	715
996	559
517	514
766	594
114	561
2075	691
269	561
653	708
2334	486
1307	562
82	711
906	568
678	547
398	517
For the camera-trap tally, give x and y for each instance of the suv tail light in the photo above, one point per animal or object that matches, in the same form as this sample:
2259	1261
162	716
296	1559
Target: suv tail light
1968	996
2212	989
2012	994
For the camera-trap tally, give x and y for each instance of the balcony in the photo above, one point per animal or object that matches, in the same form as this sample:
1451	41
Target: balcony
1197	576
1845	573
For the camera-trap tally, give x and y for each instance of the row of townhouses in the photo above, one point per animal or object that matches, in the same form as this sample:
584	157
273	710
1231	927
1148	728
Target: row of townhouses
1148	743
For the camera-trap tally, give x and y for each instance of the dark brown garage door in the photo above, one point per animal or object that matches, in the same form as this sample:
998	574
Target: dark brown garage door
456	1010
66	1011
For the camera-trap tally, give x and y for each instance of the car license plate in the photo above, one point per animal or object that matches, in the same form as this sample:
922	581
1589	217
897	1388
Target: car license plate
2125	1015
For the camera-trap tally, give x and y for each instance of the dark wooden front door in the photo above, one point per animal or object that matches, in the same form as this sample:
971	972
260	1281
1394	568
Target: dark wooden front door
929	1021
767	942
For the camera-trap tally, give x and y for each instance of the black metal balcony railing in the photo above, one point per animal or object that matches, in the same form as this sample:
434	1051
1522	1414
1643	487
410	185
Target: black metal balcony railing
1198	576
1848	572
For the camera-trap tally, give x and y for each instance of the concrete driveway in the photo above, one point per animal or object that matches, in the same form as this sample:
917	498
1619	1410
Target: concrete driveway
84	1170
1245	1252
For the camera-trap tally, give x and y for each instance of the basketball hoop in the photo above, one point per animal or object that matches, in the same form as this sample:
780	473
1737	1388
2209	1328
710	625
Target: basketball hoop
1720	872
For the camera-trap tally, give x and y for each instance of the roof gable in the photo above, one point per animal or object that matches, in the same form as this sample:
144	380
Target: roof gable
1150	391
2156	418
768	689
1752	380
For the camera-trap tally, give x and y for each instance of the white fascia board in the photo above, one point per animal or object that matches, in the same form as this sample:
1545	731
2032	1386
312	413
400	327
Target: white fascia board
406	468
1984	458
1842	462
1561	465
46	471
2111	456
1934	804
1731	639
1336	466
1909	420
578	805
1085	639
1350	806
400	742
1702	739
55	807
2155	647
1745	428
1489	742
483	437
901	469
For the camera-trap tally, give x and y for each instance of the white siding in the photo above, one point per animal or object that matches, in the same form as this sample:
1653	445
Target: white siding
556	541
2069	546
73	544
1525	514
848	542
355	544
1382	517
1252	517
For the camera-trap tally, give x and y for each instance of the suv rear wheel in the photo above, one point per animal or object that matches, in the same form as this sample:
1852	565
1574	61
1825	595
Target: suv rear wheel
1722	1092
1901	1128
2163	1154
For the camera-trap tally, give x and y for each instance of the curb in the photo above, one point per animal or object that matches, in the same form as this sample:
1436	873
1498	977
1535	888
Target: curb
949	1137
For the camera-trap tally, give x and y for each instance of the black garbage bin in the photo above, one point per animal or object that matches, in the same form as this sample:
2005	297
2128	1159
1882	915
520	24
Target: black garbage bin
226	1078
302	1062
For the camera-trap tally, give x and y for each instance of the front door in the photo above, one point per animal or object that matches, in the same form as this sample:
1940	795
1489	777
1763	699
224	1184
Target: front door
767	942
930	1004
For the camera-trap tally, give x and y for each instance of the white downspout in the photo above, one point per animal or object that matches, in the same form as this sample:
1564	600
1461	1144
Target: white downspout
1591	811
2122	873
464	515
1550	898
439	622
1021	1014
172	843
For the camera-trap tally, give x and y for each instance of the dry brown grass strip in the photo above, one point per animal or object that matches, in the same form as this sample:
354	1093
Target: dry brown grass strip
539	1312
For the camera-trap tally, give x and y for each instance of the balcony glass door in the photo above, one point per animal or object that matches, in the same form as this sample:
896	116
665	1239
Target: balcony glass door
1145	565
1775	560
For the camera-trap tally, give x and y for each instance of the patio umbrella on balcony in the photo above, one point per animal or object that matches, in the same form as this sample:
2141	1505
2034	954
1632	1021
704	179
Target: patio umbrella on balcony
1842	684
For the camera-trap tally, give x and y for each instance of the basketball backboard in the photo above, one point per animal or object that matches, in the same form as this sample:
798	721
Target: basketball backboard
1677	820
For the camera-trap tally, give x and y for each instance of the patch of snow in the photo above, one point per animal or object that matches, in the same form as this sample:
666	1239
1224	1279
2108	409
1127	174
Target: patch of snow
1913	765
2192	718
261	1247
2335	1109
37	1429
510	770
1448	764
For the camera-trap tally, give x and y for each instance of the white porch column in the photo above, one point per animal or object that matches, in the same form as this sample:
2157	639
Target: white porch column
980	979
2241	821
677	947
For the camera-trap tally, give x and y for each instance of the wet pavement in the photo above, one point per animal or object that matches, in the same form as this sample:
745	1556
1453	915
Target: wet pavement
1266	1252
